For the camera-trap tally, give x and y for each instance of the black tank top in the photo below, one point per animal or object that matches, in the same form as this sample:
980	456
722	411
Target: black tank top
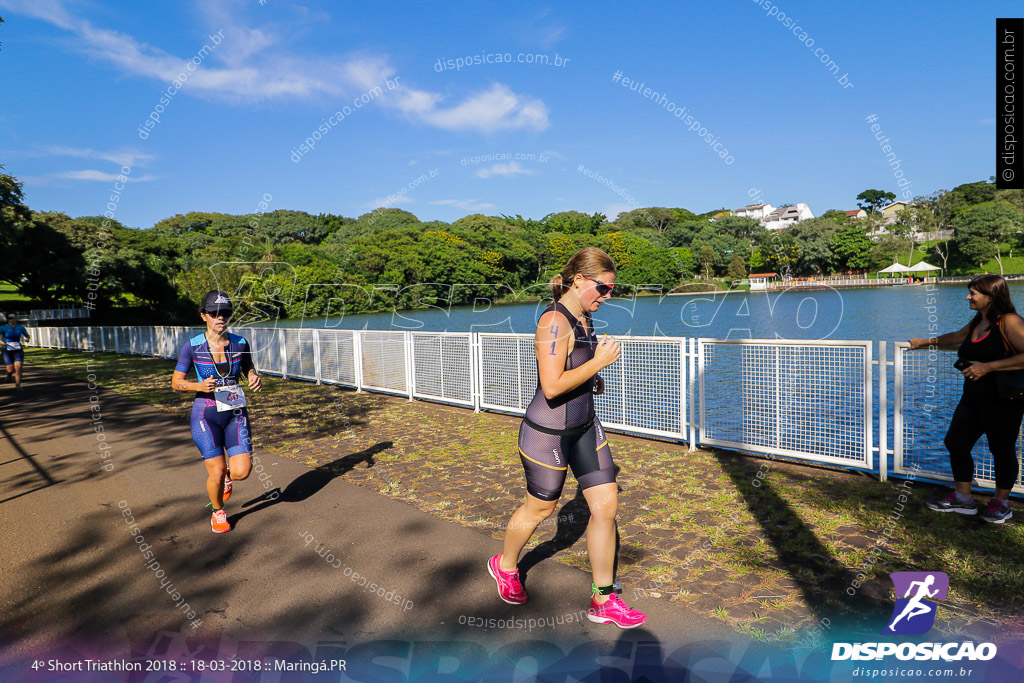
986	349
573	408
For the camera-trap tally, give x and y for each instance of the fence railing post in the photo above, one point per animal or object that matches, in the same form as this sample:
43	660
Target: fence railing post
684	403
519	372
883	415
316	355
475	370
410	364
869	416
357	353
282	340
696	366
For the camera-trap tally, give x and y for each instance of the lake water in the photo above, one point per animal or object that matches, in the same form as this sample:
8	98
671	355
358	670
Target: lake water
879	313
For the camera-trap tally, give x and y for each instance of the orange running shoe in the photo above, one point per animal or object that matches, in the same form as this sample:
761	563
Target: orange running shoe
219	522
227	488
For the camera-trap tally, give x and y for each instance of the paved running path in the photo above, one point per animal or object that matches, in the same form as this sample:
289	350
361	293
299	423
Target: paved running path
73	575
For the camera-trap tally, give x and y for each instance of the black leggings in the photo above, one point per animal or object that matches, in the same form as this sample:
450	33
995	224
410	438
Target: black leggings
545	458
1000	421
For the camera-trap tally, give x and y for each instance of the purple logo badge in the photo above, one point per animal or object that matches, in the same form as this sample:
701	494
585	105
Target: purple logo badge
913	613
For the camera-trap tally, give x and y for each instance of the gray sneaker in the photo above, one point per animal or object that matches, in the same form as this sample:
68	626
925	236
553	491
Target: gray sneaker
951	504
996	512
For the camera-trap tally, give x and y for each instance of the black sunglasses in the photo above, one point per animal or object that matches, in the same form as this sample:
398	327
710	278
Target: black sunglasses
602	288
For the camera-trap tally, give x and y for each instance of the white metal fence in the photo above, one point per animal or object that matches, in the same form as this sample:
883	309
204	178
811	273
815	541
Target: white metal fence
924	405
821	401
65	313
788	398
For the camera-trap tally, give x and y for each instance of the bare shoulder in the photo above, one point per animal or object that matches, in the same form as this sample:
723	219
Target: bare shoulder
1014	319
1013	323
550	320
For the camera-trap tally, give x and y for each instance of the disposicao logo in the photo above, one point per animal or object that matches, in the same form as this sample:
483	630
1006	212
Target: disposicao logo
913	614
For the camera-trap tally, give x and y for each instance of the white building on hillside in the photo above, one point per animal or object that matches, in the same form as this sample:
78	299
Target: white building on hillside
759	212
787	215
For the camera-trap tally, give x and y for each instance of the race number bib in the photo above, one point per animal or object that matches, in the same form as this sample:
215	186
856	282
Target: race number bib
14	346
229	398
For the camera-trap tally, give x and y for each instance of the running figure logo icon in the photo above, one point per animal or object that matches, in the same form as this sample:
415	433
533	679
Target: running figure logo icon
913	614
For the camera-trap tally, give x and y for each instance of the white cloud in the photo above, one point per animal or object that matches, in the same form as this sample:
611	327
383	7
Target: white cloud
465	204
507	170
121	157
91	174
496	109
240	68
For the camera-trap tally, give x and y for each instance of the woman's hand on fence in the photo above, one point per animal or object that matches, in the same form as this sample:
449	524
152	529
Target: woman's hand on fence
607	352
255	383
917	343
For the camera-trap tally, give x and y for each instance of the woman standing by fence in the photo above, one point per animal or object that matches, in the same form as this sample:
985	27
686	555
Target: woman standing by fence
984	351
560	431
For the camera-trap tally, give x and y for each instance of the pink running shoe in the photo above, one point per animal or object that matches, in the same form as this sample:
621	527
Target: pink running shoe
615	612
509	588
227	488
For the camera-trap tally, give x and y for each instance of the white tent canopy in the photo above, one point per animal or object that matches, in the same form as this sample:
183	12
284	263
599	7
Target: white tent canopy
920	266
895	268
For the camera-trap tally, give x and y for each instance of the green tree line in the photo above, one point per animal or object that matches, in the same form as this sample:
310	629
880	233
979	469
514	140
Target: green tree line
292	263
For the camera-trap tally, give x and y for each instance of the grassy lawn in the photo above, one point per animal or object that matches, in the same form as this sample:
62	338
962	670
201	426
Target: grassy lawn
924	251
767	546
11	299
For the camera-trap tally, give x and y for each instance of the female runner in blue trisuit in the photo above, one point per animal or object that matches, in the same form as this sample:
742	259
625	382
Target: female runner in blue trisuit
220	419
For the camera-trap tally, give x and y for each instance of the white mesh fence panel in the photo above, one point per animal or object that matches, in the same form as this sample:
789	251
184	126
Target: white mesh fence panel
384	366
442	366
300	354
928	389
337	356
805	400
508	371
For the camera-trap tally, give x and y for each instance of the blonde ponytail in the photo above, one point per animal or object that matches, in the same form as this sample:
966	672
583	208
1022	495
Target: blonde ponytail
589	261
558	288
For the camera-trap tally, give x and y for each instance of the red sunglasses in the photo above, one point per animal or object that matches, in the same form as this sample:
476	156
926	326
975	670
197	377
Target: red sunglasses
602	288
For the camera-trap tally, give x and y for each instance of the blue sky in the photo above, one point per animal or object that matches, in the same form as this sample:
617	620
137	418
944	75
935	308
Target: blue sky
79	78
